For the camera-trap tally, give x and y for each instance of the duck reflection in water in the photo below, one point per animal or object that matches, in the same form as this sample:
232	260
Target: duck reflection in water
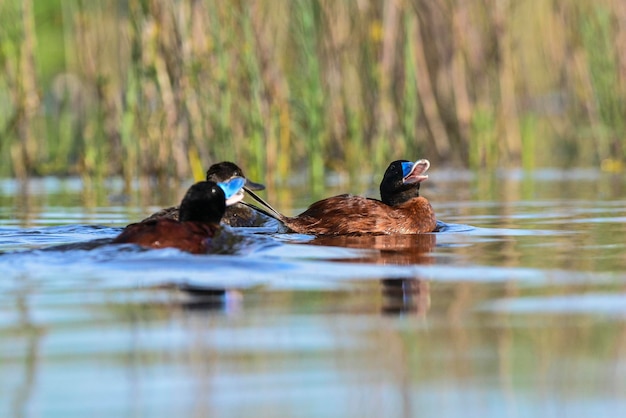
187	297
384	249
402	295
399	295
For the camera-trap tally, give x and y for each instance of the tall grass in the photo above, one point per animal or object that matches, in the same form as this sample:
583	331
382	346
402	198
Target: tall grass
162	88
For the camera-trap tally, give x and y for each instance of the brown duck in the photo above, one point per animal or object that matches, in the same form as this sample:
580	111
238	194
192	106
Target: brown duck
202	208
401	209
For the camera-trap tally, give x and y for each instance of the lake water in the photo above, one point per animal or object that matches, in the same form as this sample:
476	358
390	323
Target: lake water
516	308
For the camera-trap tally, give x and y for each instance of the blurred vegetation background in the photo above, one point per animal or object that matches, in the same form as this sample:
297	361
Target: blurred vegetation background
164	88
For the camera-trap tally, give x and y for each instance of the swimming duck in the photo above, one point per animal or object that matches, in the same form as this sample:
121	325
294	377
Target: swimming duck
401	209
239	214
200	212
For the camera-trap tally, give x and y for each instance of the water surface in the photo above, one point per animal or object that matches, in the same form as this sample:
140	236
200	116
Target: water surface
517	307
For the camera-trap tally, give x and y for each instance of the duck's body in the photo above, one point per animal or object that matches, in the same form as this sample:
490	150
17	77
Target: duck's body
200	212
353	215
237	215
193	237
401	209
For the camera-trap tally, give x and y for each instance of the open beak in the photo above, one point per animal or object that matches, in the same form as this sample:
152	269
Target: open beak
416	175
237	197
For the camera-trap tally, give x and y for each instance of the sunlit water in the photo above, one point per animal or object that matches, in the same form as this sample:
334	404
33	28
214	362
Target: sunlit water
517	307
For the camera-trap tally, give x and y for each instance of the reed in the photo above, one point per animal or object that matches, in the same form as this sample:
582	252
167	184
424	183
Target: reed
155	88
607	109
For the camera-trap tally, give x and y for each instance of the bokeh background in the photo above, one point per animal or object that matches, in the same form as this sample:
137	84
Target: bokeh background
164	88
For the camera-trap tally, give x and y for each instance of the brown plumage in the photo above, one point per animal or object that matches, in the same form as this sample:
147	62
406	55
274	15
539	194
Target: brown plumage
200	212
347	214
192	237
401	209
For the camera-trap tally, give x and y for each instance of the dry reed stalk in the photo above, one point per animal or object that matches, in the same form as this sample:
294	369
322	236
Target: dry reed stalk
195	48
508	113
619	8
167	64
439	136
27	98
385	112
459	71
335	37
274	80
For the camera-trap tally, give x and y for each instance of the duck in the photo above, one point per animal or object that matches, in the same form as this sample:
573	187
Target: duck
241	214
400	210
198	220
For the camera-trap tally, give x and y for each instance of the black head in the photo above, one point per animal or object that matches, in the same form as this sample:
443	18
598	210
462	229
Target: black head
225	170
401	181
204	202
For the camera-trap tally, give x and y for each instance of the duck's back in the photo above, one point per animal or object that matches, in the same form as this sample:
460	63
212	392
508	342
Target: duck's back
347	214
237	215
168	213
162	233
